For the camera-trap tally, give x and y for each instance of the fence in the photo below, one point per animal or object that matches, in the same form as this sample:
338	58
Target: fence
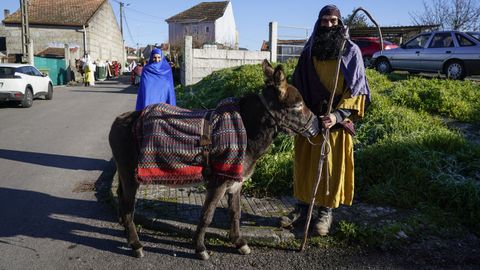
283	45
55	68
290	40
199	63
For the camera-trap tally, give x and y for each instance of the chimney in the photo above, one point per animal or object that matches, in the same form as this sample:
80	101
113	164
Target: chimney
6	13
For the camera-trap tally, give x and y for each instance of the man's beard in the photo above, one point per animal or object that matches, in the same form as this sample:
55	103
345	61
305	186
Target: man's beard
327	42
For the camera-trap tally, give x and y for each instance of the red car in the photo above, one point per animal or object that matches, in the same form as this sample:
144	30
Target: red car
370	45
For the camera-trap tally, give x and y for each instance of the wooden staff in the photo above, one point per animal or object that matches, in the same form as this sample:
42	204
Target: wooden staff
326	132
325	149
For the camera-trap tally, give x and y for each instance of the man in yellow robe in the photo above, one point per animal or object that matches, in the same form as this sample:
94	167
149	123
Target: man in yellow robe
314	76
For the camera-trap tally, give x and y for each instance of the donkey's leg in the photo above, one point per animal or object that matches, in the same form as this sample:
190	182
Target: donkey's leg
127	189
125	153
235	213
214	194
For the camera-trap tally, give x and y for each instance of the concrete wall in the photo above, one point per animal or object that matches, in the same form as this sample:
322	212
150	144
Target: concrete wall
104	37
42	37
198	63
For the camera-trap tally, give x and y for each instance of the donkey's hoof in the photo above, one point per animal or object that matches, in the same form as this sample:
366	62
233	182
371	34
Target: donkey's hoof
203	255
138	253
245	250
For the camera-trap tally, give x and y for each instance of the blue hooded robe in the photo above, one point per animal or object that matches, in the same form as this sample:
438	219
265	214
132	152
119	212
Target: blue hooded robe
156	83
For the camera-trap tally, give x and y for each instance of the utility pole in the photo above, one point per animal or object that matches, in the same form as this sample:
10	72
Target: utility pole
121	17
124	56
27	50
138	53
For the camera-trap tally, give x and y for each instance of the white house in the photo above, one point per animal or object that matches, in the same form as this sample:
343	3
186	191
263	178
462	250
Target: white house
207	22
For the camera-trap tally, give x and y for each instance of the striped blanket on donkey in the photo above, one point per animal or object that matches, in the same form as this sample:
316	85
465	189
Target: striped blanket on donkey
170	149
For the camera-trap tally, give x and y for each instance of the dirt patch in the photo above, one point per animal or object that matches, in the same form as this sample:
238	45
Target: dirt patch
85	186
469	130
401	231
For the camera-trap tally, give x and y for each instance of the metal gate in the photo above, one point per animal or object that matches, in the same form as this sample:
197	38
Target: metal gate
290	42
55	68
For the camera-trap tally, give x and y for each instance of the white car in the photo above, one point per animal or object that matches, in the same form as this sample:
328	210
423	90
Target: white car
23	83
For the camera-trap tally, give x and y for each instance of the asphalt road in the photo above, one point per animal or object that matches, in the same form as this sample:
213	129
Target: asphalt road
52	156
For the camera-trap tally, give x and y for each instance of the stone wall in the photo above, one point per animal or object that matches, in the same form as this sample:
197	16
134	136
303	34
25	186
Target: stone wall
199	63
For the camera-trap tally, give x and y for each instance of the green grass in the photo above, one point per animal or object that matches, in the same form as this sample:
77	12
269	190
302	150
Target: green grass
454	99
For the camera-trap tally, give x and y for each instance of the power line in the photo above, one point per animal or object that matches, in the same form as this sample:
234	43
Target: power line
141	12
142	21
128	28
138	11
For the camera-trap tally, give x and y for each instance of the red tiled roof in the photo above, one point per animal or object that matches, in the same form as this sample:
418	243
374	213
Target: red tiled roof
58	12
205	11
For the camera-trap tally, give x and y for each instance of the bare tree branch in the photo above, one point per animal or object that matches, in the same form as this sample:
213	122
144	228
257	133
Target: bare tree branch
450	14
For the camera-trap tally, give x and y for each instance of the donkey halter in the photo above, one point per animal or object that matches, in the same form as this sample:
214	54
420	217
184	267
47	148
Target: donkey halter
279	123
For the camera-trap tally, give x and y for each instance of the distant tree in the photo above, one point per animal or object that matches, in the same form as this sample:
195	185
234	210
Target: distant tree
450	14
359	21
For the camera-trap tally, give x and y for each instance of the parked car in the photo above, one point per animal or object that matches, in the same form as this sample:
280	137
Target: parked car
453	53
370	45
23	83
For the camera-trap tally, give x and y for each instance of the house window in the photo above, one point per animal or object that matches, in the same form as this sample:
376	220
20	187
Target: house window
207	29
3	44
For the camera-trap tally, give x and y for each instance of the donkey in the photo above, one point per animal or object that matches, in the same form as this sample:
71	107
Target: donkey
279	108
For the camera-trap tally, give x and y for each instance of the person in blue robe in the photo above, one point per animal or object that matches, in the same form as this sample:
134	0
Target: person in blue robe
156	83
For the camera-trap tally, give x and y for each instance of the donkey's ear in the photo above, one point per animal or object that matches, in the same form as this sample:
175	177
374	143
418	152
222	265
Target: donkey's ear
280	81
267	71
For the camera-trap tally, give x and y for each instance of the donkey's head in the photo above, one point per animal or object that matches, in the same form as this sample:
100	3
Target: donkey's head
285	105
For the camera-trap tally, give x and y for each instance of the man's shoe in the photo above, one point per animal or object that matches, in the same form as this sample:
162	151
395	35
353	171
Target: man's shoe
297	217
324	220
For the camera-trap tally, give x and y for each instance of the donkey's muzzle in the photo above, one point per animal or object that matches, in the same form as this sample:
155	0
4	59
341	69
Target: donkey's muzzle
312	128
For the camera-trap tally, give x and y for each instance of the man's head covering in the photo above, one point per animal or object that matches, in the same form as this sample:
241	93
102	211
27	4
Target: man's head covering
305	77
331	10
156	83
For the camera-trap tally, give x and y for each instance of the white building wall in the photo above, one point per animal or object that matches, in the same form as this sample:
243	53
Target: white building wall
201	33
225	28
